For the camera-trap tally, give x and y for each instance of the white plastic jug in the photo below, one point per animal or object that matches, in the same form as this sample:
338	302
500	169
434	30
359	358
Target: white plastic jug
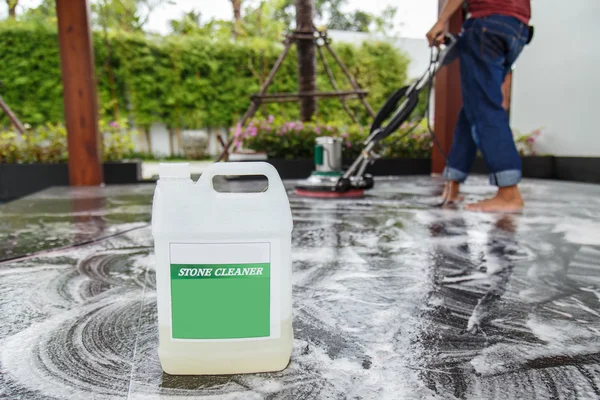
223	272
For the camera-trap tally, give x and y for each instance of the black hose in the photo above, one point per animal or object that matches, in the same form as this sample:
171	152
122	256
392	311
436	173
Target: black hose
390	105
433	59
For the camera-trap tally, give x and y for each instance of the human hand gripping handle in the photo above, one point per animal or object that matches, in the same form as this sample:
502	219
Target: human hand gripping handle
435	36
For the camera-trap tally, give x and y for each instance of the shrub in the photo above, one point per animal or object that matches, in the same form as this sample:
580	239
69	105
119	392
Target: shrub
48	144
412	140
295	139
526	142
45	144
118	140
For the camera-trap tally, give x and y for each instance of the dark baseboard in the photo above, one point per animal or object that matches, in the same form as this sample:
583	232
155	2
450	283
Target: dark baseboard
400	166
575	169
579	169
18	180
293	169
122	172
532	167
302	168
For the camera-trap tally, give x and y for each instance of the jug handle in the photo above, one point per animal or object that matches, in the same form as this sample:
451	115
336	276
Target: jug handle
242	169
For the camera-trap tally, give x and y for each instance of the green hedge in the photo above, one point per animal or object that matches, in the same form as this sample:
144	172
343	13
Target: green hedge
184	81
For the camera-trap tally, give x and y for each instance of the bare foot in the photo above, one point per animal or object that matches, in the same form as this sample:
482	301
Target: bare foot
508	199
452	193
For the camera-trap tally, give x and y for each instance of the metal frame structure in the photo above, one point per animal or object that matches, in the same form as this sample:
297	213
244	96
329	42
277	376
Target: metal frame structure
321	41
11	116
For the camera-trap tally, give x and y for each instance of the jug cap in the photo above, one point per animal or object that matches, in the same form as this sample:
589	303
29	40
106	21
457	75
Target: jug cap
174	171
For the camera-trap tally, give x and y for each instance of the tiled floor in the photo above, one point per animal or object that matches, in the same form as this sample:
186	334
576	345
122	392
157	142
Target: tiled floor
393	299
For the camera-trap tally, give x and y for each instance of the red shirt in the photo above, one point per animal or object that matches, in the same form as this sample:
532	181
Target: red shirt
520	9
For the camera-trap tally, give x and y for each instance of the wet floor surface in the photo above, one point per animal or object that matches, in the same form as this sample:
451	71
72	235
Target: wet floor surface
393	299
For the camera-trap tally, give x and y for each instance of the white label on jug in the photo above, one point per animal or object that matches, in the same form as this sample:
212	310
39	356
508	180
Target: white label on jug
224	291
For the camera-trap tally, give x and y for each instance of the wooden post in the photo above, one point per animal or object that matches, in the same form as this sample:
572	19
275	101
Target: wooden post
79	88
448	98
307	61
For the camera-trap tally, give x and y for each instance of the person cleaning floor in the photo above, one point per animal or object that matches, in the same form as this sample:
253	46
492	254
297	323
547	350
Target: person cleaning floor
493	37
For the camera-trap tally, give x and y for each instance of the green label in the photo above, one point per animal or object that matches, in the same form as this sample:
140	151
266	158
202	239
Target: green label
318	154
220	301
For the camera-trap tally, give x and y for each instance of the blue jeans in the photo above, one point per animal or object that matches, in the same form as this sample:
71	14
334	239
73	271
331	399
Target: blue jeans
487	49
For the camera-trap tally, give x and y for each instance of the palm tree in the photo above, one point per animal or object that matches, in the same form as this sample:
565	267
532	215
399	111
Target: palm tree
307	62
12	8
237	16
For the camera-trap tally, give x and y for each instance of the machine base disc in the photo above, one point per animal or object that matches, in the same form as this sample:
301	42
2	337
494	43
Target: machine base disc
328	186
329	194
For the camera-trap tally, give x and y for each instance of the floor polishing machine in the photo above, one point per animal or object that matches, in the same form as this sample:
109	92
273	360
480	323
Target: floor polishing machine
329	180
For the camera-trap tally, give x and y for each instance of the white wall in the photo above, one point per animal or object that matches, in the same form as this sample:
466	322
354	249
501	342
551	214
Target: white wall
159	135
416	49
557	78
160	140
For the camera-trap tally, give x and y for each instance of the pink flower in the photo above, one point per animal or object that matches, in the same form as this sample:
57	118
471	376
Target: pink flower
530	139
329	128
114	124
238	131
236	144
271	119
348	144
344	135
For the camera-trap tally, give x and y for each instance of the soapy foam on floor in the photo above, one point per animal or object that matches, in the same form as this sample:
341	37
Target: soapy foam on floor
580	232
80	347
383	302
